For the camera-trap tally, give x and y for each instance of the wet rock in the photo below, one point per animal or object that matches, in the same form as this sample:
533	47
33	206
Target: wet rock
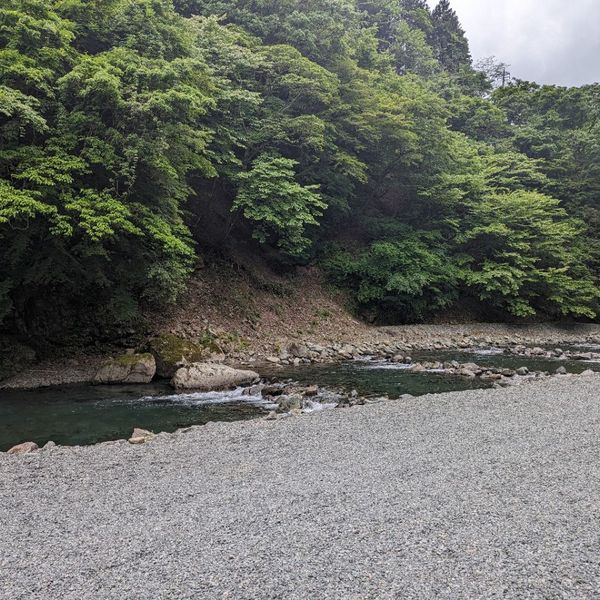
272	390
24	448
522	371
489	376
463	372
140	436
291	402
49	445
561	371
311	391
253	390
211	376
129	368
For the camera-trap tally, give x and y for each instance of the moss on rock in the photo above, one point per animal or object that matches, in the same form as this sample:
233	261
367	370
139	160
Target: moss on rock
172	351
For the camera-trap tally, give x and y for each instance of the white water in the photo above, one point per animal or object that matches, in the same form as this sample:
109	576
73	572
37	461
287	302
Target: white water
236	395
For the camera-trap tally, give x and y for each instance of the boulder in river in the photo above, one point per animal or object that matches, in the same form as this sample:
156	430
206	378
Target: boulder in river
24	448
172	352
129	368
211	376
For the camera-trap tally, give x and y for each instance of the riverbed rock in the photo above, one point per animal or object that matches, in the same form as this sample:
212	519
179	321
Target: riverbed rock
290	403
172	352
311	391
561	371
273	359
272	390
24	448
129	368
211	376
588	373
464	372
140	436
522	371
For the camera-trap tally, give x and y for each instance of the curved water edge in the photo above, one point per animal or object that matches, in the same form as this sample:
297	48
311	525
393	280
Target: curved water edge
84	414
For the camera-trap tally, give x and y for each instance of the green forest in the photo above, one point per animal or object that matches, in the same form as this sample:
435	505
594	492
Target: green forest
137	136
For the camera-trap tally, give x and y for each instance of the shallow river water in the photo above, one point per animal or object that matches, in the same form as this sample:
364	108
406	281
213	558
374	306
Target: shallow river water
84	414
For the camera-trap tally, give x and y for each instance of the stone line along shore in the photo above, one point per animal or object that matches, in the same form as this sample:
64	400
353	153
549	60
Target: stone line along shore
379	341
473	494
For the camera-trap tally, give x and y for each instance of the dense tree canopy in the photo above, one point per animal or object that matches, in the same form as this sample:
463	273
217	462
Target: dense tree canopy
134	134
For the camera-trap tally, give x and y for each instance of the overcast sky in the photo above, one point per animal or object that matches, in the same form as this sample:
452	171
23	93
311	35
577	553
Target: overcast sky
548	41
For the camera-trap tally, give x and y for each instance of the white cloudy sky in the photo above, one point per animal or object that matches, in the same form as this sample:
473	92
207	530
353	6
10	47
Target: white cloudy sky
549	41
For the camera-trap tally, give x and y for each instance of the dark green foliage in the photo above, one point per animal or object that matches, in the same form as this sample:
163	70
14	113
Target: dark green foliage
448	38
135	133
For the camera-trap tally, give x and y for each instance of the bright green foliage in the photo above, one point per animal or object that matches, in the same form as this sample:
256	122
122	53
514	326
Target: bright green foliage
521	253
94	156
136	133
405	278
279	206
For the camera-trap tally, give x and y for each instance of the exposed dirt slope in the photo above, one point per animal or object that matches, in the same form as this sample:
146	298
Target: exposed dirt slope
258	309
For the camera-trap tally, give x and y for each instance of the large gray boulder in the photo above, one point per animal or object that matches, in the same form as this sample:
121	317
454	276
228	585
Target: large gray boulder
129	368
211	376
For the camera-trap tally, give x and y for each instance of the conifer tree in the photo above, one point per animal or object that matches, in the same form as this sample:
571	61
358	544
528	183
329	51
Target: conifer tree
448	38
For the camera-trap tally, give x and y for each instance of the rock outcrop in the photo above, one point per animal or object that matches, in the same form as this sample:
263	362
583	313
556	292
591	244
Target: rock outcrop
211	376
129	368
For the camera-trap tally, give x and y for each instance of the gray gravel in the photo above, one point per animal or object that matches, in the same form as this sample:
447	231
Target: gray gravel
487	493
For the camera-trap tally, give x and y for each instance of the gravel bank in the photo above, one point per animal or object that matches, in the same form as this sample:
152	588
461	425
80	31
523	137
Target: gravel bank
474	494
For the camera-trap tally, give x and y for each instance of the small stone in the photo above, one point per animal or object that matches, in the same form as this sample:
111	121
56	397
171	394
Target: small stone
561	371
24	448
522	371
272	416
588	373
273	359
140	436
49	445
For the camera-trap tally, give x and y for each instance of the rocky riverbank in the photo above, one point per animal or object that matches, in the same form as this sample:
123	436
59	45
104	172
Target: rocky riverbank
293	350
